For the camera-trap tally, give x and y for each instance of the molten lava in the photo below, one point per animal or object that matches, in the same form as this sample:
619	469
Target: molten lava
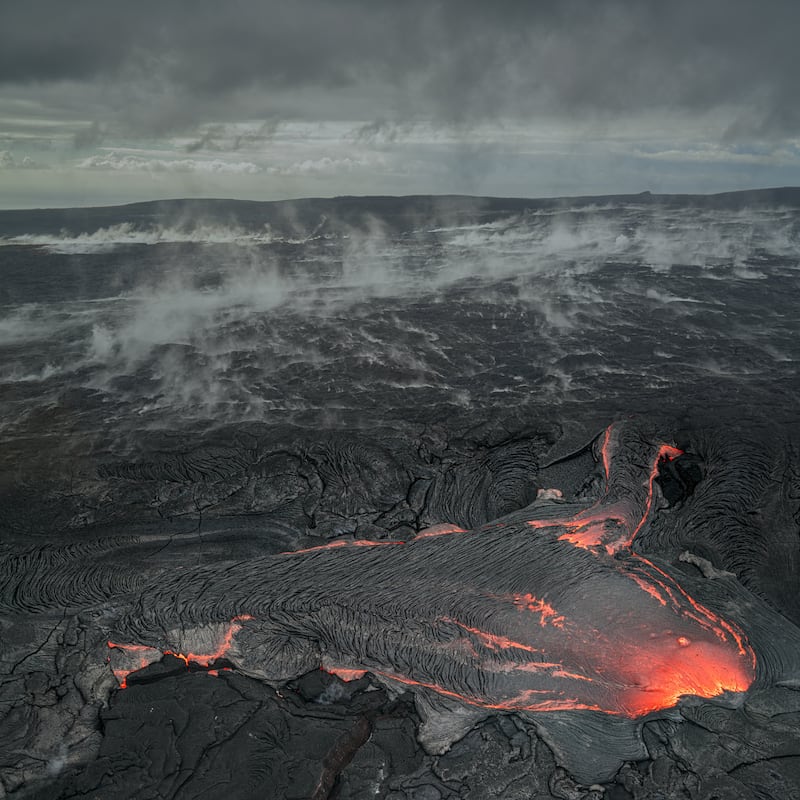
605	524
144	656
534	615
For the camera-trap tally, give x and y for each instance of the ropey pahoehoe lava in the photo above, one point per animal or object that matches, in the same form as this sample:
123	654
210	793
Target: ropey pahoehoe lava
337	510
559	614
549	609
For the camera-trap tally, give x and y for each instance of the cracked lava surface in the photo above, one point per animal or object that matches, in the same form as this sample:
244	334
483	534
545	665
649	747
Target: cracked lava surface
541	611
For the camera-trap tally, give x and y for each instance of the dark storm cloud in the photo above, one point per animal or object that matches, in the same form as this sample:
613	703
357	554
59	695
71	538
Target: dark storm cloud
462	60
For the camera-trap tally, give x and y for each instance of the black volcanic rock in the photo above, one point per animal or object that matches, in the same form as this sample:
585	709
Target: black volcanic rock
307	214
186	394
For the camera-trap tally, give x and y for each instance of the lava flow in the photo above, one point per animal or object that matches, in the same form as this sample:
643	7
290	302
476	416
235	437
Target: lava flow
499	618
608	523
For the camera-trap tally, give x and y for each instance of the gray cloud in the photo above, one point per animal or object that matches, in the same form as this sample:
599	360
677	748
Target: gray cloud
127	163
162	66
90	136
9	161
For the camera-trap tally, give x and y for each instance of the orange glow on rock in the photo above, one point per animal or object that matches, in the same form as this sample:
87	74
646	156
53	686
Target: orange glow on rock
605	451
588	529
144	656
547	614
703	616
664	452
491	640
443	529
627	639
698	669
206	659
347	675
649	588
526	700
608	523
149	655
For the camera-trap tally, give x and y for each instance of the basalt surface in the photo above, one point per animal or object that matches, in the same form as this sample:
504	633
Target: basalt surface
543	639
425	564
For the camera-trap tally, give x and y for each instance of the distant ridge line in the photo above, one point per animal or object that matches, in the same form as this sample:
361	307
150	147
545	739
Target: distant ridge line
351	209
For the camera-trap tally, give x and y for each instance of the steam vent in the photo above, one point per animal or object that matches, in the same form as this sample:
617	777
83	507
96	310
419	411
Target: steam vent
406	498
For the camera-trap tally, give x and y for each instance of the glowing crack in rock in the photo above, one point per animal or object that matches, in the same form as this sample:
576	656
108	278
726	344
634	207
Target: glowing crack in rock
142	656
609	524
530	613
547	614
347	675
137	657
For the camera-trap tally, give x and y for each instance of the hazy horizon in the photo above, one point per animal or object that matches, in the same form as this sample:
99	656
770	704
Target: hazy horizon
567	198
110	104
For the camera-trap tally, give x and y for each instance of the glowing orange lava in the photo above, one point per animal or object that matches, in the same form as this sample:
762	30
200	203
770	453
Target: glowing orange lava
686	668
148	655
535	605
664	452
703	616
628	641
346	675
607	524
491	640
526	700
605	450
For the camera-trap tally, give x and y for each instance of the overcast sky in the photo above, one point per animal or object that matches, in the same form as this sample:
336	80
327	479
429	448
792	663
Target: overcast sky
104	101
